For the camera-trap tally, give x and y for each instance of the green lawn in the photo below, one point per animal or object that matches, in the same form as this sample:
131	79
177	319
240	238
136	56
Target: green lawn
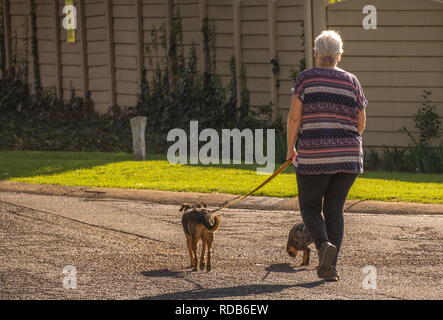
118	171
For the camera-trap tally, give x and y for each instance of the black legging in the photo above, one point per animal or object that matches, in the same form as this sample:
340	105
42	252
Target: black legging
328	191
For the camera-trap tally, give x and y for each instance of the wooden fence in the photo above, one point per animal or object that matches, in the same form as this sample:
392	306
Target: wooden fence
109	54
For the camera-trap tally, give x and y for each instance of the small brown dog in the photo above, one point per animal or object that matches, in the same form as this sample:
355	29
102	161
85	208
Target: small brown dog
198	224
298	240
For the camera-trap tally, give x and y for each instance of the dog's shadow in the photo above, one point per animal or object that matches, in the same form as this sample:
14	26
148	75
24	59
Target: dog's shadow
163	273
281	267
166	273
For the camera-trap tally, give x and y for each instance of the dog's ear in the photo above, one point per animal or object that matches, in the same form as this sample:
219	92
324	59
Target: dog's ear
185	206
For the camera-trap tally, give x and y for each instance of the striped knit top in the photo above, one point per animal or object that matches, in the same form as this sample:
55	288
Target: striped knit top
329	141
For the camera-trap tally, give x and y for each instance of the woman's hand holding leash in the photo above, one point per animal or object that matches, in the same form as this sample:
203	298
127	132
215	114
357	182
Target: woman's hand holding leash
291	154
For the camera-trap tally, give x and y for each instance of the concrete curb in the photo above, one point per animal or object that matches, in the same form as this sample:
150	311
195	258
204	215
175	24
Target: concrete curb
214	199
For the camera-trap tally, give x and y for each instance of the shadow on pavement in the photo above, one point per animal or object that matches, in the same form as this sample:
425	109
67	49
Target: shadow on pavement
165	273
280	267
229	292
220	293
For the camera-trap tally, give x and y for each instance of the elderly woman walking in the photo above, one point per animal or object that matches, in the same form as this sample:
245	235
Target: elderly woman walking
327	117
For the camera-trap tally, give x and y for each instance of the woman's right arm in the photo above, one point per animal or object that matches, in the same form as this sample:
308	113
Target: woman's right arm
361	102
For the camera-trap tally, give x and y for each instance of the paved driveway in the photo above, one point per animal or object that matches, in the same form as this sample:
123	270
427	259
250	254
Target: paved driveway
136	250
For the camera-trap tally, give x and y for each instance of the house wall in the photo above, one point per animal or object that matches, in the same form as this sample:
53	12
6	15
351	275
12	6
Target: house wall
394	63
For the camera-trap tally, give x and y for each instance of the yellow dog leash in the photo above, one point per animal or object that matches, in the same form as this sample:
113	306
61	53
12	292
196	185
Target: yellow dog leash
239	198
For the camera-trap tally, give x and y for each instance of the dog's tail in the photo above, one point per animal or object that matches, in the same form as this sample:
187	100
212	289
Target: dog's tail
212	223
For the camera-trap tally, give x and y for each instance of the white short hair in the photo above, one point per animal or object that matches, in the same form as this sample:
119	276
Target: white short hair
329	46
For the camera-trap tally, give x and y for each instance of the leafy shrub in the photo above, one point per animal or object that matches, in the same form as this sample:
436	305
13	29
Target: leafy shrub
394	159
425	158
372	159
422	156
417	158
427	120
42	122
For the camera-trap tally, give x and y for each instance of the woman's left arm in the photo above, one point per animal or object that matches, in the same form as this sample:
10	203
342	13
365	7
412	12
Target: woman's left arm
361	117
293	123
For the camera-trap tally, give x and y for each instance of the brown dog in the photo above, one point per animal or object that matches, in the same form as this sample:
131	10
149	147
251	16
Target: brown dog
198	224
298	240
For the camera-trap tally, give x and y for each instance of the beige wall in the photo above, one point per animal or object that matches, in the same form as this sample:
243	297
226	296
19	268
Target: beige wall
395	63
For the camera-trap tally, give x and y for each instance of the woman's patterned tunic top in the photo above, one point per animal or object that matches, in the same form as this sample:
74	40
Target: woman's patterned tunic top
329	141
